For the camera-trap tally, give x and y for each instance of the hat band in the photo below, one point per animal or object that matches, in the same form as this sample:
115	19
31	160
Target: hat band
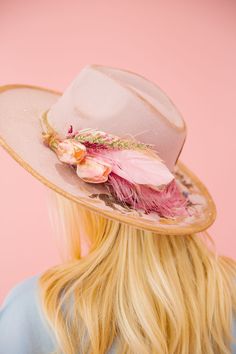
46	126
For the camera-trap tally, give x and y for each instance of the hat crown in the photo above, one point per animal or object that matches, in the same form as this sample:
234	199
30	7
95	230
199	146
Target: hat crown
122	103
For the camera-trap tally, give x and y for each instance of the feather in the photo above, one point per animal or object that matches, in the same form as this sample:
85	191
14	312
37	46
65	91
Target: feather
169	202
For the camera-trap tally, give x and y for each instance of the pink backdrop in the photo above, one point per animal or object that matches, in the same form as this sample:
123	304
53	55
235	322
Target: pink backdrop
186	47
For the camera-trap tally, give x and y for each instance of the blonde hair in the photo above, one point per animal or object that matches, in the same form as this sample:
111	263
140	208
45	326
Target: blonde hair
153	294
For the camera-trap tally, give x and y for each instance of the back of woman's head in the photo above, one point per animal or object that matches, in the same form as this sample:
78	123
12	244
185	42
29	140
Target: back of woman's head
150	293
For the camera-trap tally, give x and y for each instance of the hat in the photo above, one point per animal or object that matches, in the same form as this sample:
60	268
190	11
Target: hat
111	142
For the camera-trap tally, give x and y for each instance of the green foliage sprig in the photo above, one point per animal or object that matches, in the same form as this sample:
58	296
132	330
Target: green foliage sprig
98	137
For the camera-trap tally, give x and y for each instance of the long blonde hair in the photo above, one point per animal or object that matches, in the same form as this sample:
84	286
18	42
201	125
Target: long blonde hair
151	293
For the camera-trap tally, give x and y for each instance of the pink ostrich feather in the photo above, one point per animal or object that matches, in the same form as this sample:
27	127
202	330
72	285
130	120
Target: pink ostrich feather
168	202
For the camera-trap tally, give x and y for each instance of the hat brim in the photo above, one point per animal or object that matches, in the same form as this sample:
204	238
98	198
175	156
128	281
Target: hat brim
21	107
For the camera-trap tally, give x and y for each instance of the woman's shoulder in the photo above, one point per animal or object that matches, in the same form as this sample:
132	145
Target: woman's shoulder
22	322
233	345
22	291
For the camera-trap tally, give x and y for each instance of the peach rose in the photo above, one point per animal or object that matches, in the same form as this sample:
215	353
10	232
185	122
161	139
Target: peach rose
93	170
70	151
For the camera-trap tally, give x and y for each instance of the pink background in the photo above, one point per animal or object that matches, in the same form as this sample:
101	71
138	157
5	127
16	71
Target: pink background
186	47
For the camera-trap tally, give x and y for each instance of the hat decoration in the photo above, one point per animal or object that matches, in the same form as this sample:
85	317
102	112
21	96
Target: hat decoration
132	171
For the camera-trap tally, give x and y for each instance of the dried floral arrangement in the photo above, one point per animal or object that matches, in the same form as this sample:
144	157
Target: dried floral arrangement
132	171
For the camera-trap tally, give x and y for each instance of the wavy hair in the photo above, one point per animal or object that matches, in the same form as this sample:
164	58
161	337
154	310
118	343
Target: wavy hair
146	293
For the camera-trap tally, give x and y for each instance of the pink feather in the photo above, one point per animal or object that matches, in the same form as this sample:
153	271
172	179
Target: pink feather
137	167
168	202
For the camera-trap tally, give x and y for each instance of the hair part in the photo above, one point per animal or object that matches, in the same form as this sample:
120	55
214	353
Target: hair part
150	293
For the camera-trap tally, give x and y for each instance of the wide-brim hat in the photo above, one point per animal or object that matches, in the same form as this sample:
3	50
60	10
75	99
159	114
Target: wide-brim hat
120	103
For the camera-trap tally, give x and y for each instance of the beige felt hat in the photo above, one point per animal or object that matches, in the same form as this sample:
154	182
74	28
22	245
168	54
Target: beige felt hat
122	105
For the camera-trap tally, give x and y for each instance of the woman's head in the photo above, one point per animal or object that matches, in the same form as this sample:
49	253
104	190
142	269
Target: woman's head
153	293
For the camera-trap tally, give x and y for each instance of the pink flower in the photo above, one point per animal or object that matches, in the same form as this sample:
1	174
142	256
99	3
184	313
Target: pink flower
70	151
93	170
